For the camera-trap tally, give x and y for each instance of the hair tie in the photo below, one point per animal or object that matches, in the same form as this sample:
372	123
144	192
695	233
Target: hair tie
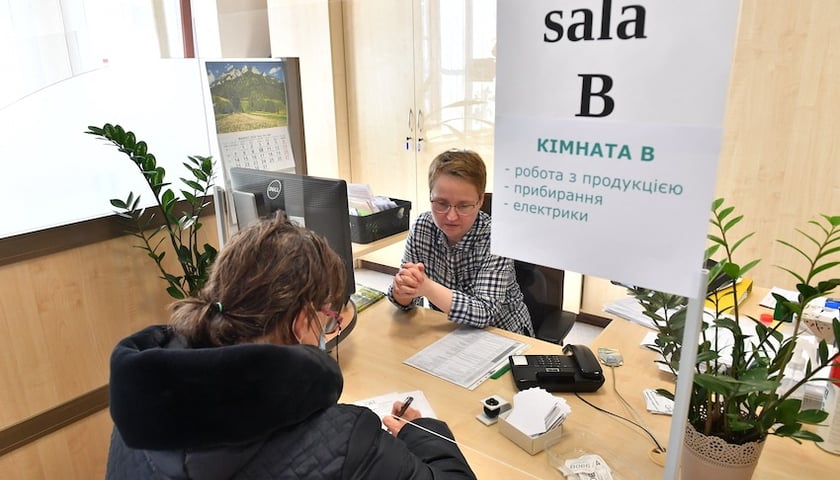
219	306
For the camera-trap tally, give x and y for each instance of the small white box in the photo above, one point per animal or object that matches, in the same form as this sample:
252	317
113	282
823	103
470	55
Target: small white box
532	445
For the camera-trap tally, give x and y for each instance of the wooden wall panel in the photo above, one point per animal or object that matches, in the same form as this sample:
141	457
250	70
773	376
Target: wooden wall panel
60	316
77	452
780	164
780	160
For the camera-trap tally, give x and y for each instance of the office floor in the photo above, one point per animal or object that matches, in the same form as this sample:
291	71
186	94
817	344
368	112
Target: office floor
581	333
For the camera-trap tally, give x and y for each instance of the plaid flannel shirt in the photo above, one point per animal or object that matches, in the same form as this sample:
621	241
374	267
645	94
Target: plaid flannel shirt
484	288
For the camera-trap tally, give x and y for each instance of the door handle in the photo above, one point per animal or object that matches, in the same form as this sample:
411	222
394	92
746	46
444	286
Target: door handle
410	129
420	129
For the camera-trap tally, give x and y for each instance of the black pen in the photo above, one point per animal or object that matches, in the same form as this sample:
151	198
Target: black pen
405	405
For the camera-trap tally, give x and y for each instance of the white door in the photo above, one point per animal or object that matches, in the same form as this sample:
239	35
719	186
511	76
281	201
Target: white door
420	80
379	59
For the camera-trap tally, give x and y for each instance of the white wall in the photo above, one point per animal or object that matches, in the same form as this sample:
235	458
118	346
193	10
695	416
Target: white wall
54	173
243	28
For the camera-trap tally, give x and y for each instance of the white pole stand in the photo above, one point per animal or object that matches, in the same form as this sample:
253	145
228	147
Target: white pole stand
685	377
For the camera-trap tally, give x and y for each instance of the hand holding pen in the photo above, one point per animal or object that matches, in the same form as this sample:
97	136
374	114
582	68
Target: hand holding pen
406	403
401	412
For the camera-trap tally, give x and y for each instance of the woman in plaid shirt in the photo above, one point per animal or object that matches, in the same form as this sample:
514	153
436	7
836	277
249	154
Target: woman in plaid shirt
447	255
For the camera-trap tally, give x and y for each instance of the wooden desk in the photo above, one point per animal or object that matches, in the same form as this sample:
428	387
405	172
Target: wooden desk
371	361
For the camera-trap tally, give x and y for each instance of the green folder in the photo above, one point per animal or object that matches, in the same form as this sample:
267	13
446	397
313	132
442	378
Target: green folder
365	297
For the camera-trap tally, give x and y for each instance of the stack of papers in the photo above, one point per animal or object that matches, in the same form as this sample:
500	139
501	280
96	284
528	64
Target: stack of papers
629	309
805	354
535	411
658	404
362	201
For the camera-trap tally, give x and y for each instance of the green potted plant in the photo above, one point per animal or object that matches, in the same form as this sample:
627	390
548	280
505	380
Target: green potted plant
737	398
179	228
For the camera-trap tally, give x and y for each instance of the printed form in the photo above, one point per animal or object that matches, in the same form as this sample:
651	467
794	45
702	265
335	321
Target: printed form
466	356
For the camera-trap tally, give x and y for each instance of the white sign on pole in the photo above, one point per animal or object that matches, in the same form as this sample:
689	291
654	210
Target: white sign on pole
608	131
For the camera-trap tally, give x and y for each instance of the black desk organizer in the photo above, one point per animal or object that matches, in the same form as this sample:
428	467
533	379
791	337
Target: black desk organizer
370	228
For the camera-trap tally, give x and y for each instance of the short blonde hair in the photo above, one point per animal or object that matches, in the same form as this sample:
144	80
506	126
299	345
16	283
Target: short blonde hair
464	164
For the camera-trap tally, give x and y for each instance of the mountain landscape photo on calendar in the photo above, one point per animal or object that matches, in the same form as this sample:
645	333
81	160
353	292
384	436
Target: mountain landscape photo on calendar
247	95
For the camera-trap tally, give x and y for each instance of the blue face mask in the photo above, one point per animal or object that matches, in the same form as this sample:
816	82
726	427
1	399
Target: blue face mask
322	341
333	324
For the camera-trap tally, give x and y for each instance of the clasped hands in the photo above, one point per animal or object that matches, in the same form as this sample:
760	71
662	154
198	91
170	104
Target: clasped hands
409	282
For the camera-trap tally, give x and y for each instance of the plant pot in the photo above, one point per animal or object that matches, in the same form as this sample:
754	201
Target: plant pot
706	457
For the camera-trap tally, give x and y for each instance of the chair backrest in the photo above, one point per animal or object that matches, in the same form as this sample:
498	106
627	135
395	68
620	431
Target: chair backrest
541	286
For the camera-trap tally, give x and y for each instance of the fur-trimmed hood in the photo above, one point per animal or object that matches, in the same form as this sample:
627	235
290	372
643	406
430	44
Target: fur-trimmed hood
165	395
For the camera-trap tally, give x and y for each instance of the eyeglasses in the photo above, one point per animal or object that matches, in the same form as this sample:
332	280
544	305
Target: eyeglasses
334	320
463	209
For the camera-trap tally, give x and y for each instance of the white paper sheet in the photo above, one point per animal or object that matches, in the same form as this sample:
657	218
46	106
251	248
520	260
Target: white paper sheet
466	356
382	404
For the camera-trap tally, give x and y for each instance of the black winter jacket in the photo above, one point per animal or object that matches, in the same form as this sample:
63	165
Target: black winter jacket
254	411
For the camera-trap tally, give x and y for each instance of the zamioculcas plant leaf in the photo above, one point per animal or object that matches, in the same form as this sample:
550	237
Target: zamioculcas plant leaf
736	394
178	229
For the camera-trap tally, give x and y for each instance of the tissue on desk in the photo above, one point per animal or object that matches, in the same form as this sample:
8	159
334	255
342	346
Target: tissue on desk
535	411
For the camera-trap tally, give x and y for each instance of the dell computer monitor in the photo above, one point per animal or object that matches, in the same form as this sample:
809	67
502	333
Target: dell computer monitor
319	204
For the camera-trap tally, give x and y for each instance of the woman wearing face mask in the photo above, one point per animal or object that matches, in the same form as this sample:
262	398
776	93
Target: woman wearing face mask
237	388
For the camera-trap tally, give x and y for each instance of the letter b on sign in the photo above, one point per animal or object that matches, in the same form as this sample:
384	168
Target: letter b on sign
587	93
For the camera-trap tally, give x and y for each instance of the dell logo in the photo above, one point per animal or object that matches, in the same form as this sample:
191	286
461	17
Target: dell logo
274	189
